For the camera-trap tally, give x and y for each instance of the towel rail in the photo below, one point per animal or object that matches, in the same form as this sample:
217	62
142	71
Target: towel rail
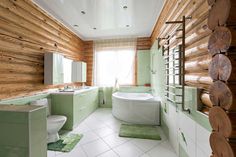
175	66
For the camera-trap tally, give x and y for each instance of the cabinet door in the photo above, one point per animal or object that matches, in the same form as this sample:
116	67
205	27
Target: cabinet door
79	70
174	126
187	134
58	74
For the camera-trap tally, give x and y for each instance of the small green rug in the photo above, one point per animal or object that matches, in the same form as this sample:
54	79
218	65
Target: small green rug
66	143
139	131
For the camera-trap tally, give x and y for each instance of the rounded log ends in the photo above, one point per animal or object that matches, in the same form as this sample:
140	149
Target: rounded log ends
219	40
205	98
219	13
221	95
220	146
220	121
220	68
211	2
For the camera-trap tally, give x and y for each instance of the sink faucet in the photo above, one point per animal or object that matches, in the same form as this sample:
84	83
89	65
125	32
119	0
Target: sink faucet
66	87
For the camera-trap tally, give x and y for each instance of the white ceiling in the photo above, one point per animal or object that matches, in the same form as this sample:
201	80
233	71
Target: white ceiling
108	16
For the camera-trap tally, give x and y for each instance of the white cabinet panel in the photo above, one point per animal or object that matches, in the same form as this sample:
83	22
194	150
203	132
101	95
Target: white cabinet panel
53	69
187	126
173	127
79	70
202	138
201	153
188	144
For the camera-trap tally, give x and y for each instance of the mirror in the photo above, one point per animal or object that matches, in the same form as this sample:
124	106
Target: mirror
67	70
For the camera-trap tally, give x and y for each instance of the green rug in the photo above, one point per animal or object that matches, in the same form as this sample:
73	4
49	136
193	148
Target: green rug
139	131
66	143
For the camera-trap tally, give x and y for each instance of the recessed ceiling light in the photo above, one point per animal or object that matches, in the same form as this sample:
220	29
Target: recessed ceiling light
127	25
76	26
125	7
94	28
83	12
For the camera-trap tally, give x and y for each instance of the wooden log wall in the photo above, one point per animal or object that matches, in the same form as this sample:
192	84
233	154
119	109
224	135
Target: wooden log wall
221	46
210	61
144	43
89	52
26	33
197	58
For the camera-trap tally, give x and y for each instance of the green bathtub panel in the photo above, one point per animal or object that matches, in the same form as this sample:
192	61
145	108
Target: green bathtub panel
143	67
38	133
24	100
14	135
7	151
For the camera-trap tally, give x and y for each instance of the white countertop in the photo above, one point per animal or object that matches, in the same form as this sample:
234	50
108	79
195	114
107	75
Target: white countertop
74	91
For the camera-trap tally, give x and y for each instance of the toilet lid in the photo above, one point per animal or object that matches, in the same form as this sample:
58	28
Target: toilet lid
56	118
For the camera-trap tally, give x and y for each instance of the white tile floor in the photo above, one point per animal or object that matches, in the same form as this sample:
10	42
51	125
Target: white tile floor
101	139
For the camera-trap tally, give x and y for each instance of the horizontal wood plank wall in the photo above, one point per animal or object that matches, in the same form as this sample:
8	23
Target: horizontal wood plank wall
26	33
144	43
197	35
88	49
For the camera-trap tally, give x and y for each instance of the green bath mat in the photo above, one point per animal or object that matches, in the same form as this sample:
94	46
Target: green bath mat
139	131
66	143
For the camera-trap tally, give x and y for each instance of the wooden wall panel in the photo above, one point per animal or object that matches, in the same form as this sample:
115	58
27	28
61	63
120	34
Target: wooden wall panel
26	33
88	49
144	43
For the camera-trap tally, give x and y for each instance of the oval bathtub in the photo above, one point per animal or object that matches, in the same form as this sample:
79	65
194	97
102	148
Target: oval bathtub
136	108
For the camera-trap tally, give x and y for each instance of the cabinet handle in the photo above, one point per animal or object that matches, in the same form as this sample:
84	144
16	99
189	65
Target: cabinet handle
183	137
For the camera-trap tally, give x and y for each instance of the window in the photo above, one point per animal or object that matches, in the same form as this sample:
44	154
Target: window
114	63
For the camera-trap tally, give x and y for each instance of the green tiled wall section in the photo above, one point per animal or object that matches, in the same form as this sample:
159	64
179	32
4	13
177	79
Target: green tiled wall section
143	67
158	87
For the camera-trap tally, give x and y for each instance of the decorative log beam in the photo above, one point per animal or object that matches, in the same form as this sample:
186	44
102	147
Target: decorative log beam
220	122
220	68
205	98
220	40
217	15
220	146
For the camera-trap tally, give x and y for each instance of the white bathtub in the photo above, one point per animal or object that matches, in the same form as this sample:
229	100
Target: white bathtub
136	108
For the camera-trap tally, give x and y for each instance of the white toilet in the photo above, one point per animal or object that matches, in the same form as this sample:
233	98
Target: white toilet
54	122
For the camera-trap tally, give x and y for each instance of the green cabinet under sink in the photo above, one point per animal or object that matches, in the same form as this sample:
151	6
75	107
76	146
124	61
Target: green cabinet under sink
75	106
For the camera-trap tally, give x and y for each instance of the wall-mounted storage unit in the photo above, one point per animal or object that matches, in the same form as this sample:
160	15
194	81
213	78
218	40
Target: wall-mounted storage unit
53	69
79	70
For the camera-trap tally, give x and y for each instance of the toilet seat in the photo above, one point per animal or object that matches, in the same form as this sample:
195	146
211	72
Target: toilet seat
56	118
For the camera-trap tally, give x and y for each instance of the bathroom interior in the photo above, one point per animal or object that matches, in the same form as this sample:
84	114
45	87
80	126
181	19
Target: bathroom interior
117	78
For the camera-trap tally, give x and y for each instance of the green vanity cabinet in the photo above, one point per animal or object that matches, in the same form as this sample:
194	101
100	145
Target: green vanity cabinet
75	106
23	131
